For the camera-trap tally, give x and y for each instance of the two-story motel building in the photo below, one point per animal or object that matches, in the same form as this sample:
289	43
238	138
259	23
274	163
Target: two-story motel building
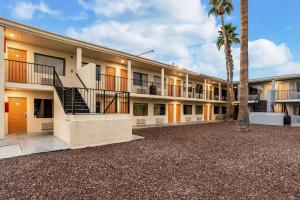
48	81
90	95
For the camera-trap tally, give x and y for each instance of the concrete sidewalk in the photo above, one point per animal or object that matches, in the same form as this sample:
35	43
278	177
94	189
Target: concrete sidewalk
25	144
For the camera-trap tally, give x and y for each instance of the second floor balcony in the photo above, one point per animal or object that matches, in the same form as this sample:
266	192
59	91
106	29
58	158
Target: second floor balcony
287	95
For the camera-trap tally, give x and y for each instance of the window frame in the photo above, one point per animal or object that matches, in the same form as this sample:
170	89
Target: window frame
60	58
201	110
185	106
164	110
140	81
51	116
145	113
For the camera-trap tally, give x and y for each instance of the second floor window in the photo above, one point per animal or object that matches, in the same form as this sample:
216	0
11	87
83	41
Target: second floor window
298	86
58	63
157	81
140	79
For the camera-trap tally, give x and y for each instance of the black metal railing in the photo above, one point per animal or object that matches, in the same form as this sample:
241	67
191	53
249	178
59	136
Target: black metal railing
287	94
145	87
30	73
114	83
103	101
59	88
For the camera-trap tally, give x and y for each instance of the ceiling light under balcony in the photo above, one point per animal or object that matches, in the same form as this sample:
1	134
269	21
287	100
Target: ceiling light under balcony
11	35
122	61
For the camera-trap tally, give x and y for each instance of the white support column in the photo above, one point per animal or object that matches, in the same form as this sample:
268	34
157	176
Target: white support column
273	84
271	96
2	89
129	75
205	89
186	86
220	91
78	58
162	82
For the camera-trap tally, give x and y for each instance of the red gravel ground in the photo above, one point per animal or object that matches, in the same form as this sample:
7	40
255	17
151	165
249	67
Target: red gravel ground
205	161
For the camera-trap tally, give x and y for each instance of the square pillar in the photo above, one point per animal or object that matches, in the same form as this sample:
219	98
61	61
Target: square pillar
162	82
129	75
205	89
220	91
186	86
78	58
2	89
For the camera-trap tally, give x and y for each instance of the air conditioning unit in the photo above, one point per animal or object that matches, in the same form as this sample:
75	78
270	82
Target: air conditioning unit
140	121
159	120
199	118
188	119
47	126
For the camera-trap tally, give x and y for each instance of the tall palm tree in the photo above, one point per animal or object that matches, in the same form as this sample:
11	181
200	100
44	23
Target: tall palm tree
219	9
232	38
243	117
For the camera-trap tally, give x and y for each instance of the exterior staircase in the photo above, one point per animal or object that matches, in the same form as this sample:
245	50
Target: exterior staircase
80	105
260	106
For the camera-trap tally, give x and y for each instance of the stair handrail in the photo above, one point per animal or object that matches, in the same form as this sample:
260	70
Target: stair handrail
116	95
56	77
82	83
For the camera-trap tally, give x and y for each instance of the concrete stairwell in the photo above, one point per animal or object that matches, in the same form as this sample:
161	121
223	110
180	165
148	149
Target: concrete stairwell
80	104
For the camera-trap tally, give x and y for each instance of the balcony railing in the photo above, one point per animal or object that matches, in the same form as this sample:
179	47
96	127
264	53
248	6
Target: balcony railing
145	87
173	90
114	83
287	94
31	73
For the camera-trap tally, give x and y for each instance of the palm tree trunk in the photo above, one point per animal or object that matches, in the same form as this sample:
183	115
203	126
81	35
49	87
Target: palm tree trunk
231	67
227	116
243	118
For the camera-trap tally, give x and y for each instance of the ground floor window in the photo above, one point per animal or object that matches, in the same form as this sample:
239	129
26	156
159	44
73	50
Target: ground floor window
140	109
43	108
199	110
216	110
187	109
159	109
223	110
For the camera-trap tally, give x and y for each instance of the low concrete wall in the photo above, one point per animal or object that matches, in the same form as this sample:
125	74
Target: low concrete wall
101	131
90	130
267	118
295	120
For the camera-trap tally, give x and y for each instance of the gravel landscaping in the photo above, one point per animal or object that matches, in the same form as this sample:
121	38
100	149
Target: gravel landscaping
203	161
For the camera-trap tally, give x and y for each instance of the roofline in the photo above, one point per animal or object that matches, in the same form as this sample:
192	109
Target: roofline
276	78
37	31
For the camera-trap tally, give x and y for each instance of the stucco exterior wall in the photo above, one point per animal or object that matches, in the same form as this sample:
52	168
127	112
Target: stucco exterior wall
2	80
33	124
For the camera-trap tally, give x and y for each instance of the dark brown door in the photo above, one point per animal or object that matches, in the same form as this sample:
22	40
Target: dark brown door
17	68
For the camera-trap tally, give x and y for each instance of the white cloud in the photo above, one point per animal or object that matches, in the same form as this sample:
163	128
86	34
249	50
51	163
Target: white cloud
178	31
26	10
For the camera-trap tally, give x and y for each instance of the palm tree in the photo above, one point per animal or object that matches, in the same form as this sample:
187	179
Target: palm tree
232	38
219	8
243	118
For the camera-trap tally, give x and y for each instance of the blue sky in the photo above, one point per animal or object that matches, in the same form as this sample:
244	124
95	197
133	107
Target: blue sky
179	31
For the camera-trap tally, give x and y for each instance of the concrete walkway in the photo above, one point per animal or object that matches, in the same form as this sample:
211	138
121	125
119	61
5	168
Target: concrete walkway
24	144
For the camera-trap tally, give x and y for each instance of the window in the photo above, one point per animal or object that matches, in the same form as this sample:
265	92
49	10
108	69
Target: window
43	108
98	73
140	79
190	87
216	110
187	109
199	110
298	86
223	110
199	89
159	109
140	109
58	63
157	80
